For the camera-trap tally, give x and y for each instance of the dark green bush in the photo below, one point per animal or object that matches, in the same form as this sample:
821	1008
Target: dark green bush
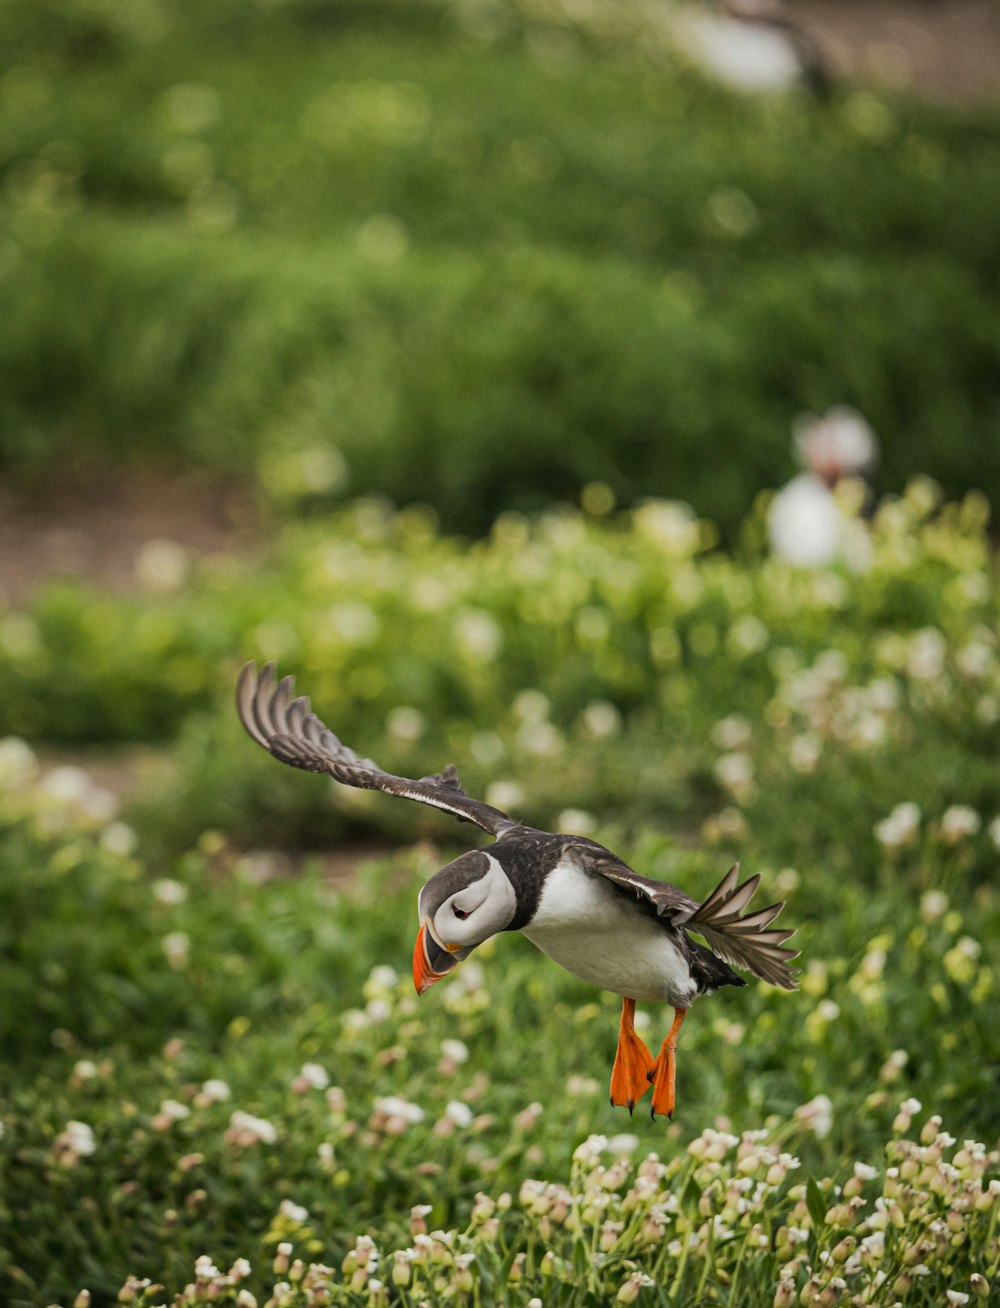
467	276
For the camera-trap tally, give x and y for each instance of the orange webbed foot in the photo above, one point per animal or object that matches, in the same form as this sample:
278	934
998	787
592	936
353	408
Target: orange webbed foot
633	1062
663	1072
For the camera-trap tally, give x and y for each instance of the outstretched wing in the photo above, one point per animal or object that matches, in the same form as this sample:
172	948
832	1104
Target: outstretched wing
742	940
284	725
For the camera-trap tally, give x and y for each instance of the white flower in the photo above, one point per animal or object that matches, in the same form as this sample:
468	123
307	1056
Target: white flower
589	1151
817	1114
169	892
748	635
246	1130
734	772
17	763
215	1090
397	1110
459	1113
959	822
354	622
406	724
76	1140
622	1145
576	821
119	838
478	635
454	1050
956	1296
927	655
506	795
294	1212
315	1075
733	732
669	524
933	905
900	827
175	946
601	719
174	1111
204	1268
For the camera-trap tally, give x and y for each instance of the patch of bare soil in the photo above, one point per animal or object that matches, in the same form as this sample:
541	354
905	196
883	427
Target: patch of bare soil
97	526
945	50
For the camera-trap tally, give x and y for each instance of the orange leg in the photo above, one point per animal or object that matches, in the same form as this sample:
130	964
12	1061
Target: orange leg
633	1061
663	1073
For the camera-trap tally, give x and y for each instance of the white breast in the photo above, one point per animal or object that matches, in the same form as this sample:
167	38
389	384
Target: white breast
592	931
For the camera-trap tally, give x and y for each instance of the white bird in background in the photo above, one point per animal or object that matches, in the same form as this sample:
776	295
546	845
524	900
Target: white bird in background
806	524
752	45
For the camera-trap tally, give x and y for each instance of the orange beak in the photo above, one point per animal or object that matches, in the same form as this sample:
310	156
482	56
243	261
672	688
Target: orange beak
430	961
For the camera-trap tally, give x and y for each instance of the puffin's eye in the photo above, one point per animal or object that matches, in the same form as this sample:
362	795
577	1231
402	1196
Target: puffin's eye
459	912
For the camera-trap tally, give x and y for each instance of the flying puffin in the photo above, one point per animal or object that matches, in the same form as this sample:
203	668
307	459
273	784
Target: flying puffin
573	899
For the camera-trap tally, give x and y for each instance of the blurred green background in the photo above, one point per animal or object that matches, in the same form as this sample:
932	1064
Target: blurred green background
390	341
476	253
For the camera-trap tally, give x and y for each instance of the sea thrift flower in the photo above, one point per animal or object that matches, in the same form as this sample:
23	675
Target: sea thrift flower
959	823
395	1115
176	946
168	892
214	1091
170	1111
900	827
458	1113
312	1076
629	1292
246	1130
527	1117
75	1141
817	1115
907	1109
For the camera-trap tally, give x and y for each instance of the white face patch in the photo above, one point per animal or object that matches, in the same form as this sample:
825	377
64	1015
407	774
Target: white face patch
485	906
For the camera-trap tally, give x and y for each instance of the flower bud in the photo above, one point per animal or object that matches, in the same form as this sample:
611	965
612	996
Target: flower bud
784	1296
979	1286
516	1269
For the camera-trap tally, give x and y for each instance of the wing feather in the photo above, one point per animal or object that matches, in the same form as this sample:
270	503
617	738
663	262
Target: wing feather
742	941
285	726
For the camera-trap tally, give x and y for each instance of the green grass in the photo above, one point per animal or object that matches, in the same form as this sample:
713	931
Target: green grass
352	248
777	717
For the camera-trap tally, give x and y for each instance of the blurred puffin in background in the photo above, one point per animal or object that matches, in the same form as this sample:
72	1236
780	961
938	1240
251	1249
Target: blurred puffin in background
807	526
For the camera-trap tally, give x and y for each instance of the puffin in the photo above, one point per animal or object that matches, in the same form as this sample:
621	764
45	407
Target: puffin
575	900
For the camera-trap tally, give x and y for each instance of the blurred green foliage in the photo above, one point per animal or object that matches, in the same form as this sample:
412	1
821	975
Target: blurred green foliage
476	256
588	659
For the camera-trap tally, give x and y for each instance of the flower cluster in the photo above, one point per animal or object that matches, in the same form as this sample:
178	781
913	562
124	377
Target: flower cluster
730	1208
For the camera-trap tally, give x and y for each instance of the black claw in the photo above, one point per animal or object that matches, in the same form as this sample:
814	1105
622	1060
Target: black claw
631	1105
650	1075
611	1099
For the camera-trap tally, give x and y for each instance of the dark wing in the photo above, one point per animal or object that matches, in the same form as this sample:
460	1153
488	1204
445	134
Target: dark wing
658	898
286	728
740	939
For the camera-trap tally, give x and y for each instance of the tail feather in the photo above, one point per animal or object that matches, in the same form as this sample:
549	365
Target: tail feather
742	941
